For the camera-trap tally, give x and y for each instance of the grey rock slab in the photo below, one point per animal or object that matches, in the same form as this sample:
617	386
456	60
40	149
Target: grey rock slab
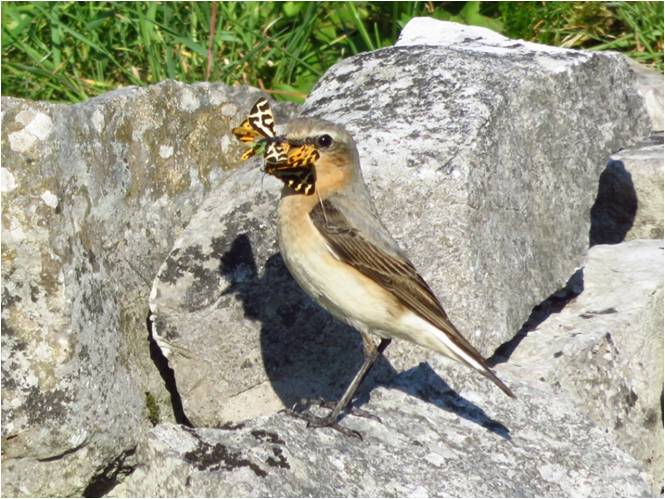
93	197
434	444
430	31
629	204
647	82
212	294
482	163
604	350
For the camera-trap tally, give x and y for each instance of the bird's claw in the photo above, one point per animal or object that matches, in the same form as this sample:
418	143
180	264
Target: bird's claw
324	422
304	404
355	411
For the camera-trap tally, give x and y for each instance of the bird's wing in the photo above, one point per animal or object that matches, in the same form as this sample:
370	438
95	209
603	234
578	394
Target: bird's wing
393	272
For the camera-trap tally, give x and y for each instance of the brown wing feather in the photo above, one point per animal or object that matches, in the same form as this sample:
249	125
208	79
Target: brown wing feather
396	274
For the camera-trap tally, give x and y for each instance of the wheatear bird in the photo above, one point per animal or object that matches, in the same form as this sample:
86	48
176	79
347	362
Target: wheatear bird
343	257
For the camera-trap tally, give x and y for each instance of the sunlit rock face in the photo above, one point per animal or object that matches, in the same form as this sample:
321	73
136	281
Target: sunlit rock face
124	220
93	197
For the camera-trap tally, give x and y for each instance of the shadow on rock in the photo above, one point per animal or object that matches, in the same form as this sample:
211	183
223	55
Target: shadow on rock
308	354
553	304
423	382
613	212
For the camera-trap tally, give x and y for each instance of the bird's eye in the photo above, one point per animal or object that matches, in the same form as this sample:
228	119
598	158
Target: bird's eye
324	140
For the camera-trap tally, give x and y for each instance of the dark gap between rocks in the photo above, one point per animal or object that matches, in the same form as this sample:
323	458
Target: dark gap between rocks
120	468
165	371
111	475
613	212
552	305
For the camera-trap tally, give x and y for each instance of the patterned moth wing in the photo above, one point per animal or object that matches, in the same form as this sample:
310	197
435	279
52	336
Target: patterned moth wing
305	155
261	118
299	156
298	171
301	179
276	153
245	133
258	130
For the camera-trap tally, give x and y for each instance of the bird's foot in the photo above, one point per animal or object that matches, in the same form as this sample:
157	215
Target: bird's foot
355	411
300	410
324	422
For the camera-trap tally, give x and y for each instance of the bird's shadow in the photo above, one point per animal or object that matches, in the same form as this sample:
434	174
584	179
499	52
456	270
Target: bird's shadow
307	354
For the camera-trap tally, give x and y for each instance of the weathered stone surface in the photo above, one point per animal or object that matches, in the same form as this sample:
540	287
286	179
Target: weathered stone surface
431	443
428	31
649	84
629	204
588	385
93	196
604	350
492	158
483	162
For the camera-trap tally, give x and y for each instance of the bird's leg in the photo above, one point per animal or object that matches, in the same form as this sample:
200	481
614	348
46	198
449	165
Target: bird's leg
371	354
356	411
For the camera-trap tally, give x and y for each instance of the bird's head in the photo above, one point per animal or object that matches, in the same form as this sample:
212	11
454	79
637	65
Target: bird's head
322	157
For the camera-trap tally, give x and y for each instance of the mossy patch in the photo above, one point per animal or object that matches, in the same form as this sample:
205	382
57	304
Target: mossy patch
152	407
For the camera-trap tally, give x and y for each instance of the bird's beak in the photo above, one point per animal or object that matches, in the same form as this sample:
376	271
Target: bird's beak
293	164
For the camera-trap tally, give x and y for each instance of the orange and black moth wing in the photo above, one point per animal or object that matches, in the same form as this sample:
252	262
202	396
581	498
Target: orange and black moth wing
302	156
258	130
302	180
298	172
259	123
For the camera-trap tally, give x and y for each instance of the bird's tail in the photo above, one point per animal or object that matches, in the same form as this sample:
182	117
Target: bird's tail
447	340
489	374
473	359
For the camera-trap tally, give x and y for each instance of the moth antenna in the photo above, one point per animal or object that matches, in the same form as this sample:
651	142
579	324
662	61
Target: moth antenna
323	208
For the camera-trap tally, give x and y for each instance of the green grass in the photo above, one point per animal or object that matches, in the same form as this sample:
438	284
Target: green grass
72	51
635	28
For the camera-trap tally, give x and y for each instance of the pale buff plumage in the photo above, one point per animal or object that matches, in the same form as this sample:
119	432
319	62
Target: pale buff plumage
339	252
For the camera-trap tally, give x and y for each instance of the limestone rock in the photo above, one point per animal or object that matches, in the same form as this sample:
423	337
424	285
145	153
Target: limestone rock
629	204
430	443
649	85
429	31
604	350
93	196
491	154
482	163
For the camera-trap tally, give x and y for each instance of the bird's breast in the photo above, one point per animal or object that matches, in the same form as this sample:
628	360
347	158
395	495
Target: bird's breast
336	286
